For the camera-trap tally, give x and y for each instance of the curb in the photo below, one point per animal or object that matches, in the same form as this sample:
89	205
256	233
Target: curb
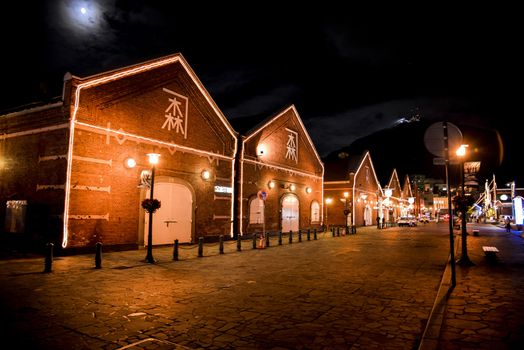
429	340
430	337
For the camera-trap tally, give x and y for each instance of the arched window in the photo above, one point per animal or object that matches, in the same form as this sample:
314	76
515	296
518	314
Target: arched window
256	211
315	212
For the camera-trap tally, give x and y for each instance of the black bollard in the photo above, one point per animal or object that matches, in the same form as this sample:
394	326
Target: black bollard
290	236
239	243
175	250
299	235
267	239
333	232
98	256
221	244
338	231
279	237
315	234
254	240
200	247
309	234
354	229
49	257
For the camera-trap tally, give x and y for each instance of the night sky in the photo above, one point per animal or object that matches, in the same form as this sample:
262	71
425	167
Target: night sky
349	71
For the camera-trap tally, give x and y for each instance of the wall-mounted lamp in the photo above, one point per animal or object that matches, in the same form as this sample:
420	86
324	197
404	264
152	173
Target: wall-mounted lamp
346	194
271	184
130	163
261	150
153	158
205	174
308	190
292	187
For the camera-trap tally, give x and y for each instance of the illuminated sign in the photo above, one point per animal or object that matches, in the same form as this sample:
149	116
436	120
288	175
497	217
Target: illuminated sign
517	209
223	189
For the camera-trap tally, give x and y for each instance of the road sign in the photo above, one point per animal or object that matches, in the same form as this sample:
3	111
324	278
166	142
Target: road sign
262	195
442	161
434	138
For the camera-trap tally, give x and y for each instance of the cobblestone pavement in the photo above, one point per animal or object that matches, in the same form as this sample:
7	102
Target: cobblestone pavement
372	290
486	308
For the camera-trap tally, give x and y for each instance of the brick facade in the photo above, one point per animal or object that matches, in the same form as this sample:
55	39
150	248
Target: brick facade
356	177
159	106
68	160
280	153
33	145
396	199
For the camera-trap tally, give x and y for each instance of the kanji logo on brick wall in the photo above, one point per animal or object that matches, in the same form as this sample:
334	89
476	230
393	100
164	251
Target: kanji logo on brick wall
176	113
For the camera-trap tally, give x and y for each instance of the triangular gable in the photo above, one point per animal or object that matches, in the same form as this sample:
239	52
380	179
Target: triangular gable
394	184
264	125
365	156
406	189
83	84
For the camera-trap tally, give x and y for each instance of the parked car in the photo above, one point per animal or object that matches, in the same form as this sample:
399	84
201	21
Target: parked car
407	221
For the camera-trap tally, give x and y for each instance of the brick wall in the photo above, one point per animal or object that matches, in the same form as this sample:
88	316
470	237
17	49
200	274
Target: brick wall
127	118
258	171
33	144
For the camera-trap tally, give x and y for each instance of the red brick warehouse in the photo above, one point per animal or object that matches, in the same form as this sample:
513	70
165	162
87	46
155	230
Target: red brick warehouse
71	157
279	161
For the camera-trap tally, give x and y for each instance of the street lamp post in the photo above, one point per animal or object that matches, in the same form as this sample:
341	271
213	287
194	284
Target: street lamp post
411	200
153	160
328	202
346	210
464	258
388	192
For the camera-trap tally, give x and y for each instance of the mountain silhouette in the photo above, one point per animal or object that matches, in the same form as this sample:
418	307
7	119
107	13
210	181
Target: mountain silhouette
402	148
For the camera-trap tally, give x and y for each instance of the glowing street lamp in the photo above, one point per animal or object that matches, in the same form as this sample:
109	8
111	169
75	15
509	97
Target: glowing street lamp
411	200
388	192
464	258
329	200
346	210
153	160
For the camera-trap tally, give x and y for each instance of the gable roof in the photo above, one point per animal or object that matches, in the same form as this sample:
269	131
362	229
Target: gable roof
367	154
105	77
264	123
394	178
407	184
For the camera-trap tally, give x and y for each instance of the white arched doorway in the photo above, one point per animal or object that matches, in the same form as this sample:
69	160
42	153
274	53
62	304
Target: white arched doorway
290	213
174	219
367	215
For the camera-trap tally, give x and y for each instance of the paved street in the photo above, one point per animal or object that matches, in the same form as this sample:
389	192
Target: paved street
486	309
373	290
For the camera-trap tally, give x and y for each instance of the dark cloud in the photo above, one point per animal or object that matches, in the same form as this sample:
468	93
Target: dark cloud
349	71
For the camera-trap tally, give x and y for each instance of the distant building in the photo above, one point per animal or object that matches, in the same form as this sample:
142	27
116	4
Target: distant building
351	186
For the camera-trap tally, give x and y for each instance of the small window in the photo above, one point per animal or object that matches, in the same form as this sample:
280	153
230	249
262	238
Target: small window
15	216
315	212
256	211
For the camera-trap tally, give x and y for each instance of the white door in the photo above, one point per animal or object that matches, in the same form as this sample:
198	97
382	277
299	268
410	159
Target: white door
367	216
289	213
174	218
